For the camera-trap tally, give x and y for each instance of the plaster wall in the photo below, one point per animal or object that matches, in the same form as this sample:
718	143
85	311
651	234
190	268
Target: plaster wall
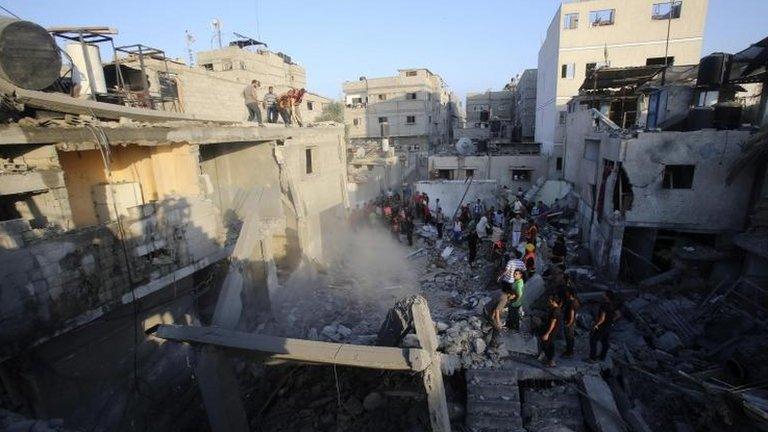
450	192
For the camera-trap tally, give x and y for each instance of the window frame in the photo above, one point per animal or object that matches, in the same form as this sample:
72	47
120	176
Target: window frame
599	23
385	120
565	68
566	21
668	179
673	5
410	120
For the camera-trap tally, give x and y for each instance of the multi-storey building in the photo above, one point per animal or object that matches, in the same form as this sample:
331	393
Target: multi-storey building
414	110
524	106
588	34
490	114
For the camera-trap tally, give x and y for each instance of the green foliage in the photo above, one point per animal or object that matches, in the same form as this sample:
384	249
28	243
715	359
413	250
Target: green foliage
334	111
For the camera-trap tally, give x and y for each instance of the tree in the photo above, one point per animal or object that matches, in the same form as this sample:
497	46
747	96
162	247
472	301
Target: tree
334	111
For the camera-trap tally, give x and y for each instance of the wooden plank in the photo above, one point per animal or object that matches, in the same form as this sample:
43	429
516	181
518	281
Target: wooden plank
433	376
299	350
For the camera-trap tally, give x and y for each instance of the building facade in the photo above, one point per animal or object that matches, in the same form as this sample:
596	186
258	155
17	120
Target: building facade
585	35
490	113
415	110
524	107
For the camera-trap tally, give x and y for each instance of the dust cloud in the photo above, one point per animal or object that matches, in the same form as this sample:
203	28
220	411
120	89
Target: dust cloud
347	297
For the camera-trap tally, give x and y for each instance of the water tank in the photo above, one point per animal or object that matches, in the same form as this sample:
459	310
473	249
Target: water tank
464	146
28	55
84	60
714	70
727	116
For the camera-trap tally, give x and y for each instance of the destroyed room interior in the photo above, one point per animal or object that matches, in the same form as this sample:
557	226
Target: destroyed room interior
194	238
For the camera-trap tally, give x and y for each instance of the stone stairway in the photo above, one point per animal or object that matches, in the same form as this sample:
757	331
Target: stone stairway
493	401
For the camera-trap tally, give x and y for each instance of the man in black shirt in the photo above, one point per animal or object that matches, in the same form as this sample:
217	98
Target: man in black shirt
554	318
570	307
601	331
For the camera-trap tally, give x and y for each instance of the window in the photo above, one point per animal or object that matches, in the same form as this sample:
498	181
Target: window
678	177
445	174
469	173
601	17
382	96
523	175
568	70
411	73
571	21
207	66
410	96
430	119
559	164
356	122
382	120
410	119
667	10
591	149
310	106
660	61
562	115
308	160
357	101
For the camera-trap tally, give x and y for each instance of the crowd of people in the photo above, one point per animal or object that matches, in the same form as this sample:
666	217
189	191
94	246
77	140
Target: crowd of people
286	105
509	235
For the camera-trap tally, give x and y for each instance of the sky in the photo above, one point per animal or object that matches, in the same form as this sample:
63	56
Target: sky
474	45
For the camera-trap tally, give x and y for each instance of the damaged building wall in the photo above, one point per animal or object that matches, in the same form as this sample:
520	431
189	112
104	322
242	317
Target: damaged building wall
307	168
630	183
512	171
62	275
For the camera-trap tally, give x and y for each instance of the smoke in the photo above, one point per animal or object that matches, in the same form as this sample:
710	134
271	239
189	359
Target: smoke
366	272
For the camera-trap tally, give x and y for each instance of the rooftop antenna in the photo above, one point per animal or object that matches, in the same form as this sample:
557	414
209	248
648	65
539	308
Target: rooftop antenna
216	25
190	39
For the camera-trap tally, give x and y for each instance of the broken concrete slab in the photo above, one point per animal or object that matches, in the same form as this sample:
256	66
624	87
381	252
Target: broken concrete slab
602	414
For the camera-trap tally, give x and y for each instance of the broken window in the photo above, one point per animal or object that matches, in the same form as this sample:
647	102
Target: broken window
207	66
660	61
622	192
469	173
571	21
445	174
410	96
568	70
382	97
169	87
523	175
382	120
410	119
601	17
667	10
310	105
678	176
308	160
411	73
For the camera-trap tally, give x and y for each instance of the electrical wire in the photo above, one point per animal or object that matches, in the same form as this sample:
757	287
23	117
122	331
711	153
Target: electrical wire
9	12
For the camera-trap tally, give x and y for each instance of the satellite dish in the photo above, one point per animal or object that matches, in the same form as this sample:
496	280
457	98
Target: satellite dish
464	146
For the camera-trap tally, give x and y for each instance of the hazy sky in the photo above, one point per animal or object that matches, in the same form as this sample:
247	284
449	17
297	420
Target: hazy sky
474	46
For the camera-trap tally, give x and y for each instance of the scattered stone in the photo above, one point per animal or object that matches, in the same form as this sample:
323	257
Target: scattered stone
669	342
479	345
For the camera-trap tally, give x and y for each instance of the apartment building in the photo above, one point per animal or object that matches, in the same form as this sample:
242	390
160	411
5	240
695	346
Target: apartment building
524	106
588	34
415	110
490	113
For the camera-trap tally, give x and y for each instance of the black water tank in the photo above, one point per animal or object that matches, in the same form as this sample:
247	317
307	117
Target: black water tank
727	116
700	118
714	70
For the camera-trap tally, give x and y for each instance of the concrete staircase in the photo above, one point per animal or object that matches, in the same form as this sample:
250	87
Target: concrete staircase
493	401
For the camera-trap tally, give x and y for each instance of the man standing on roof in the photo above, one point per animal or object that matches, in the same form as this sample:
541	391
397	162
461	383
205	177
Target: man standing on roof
251	97
298	96
270	102
512	280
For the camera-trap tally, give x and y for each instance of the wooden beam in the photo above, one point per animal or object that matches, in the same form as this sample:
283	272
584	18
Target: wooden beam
299	350
433	375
